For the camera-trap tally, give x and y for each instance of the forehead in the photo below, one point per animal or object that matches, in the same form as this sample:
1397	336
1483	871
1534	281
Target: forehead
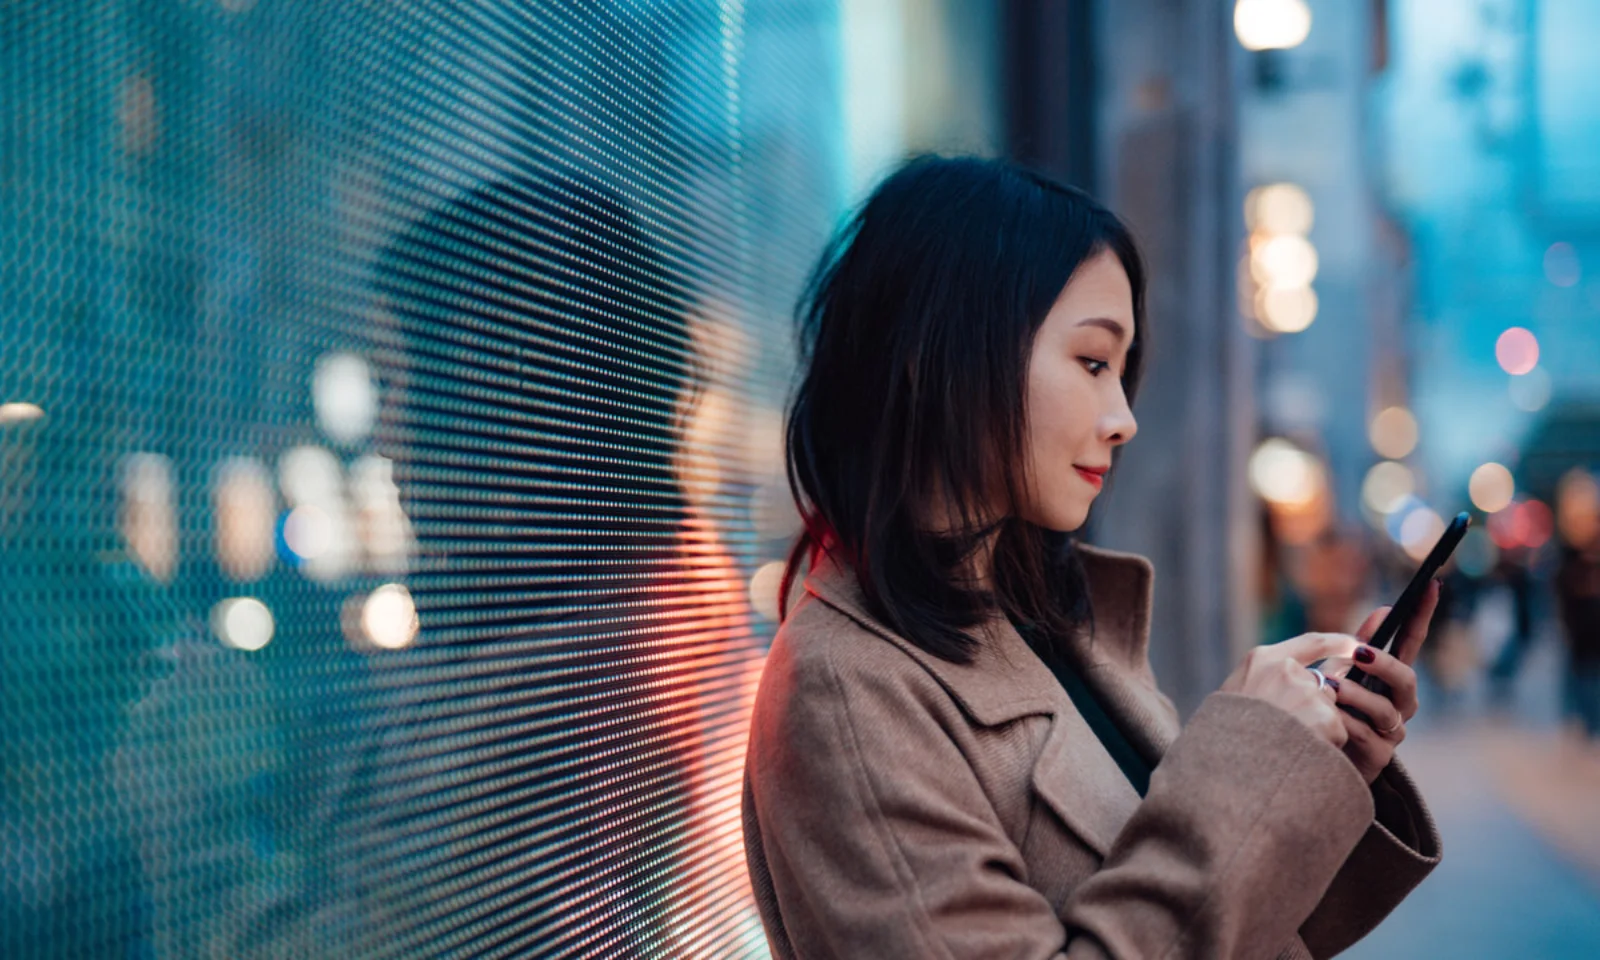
1098	291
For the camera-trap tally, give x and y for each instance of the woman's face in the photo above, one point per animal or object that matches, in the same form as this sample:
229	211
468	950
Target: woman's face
1076	410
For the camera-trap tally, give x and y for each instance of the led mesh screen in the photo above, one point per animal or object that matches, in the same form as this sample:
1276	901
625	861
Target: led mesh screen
390	467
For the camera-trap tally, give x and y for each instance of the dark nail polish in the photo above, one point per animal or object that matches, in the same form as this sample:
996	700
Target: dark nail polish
1365	654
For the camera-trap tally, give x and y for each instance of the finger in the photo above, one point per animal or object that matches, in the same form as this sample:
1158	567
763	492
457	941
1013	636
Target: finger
1384	714
1402	680
1417	630
1334	727
1364	746
1308	648
1369	626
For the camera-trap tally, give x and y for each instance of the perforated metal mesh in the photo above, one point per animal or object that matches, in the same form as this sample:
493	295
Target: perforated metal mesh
390	469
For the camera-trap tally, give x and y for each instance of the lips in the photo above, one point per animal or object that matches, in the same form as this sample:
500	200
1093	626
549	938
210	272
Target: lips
1094	476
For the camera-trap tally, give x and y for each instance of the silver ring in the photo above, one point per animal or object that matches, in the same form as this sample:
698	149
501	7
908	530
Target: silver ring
1322	679
1397	724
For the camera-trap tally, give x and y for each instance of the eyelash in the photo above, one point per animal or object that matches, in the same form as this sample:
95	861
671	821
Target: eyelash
1096	367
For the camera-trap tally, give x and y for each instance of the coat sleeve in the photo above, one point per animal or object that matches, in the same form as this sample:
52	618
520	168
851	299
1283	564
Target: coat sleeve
879	840
1399	848
868	831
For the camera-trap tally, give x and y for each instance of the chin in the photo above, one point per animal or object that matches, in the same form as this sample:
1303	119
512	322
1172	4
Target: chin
1065	520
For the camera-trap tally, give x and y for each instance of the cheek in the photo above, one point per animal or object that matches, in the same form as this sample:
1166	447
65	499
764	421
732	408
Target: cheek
1060	417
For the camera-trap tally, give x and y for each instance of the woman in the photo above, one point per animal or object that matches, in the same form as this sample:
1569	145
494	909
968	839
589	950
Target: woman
958	748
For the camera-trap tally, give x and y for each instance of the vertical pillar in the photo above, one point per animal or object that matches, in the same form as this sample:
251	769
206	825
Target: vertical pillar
1165	133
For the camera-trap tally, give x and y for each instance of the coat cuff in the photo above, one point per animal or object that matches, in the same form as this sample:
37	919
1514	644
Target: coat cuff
1263	812
1399	849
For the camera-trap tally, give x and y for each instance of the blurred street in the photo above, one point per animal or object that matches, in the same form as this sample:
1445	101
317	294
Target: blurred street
1515	798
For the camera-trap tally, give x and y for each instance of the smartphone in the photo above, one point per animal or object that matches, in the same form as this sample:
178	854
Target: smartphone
1406	607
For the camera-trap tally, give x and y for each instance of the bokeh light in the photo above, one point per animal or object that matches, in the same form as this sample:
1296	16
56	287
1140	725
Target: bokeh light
1561	264
246	509
765	587
1283	474
1396	519
1578	508
1287	260
1393	432
148	516
318	532
308	532
345	399
389	617
1271	24
19	412
1386	485
1420	530
1491	487
243	623
1531	391
1527	524
1286	310
1538	523
1279	208
1517	351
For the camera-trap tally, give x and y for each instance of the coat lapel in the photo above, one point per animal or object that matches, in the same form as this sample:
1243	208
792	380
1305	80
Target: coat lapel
1073	774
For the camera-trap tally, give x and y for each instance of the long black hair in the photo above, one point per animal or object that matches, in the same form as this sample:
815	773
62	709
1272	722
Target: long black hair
916	329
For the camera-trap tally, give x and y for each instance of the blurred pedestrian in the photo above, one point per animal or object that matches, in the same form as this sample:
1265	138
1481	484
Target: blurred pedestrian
1577	588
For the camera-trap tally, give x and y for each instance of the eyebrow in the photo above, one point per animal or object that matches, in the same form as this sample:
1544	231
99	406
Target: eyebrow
1116	328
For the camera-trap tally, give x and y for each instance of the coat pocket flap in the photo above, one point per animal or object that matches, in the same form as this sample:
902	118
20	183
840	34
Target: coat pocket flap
1081	784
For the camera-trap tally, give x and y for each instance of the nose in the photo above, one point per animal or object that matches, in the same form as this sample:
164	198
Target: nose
1117	425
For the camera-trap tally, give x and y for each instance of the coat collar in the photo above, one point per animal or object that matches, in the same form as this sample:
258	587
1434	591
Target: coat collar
1006	681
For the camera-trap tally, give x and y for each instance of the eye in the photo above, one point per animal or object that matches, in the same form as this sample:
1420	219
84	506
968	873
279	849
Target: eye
1095	367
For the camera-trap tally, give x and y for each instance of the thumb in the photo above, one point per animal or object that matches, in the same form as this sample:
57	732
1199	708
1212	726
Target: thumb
1308	648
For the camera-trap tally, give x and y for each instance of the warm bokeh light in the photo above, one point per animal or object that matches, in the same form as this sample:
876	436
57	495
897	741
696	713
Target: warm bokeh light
1393	432
18	412
1527	524
1286	309
1284	475
389	618
345	399
1561	264
764	588
148	517
1517	351
1491	488
243	623
1531	391
1287	260
1578	508
1538	523
1279	208
1271	24
246	509
1420	530
1386	485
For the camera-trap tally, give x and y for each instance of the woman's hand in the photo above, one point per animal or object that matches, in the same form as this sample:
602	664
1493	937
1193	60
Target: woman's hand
1277	674
1371	746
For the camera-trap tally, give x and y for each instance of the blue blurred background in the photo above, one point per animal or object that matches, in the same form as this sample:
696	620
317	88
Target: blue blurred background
391	488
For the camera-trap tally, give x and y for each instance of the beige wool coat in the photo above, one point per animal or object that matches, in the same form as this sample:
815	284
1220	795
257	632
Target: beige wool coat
899	805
